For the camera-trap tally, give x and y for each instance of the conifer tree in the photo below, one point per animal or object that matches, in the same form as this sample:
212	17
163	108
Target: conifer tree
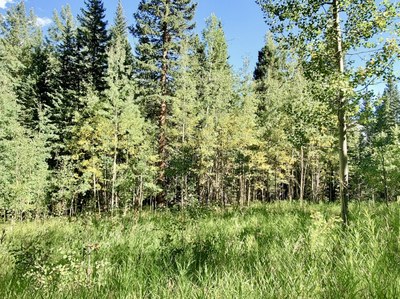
269	61
119	34
388	111
92	43
160	27
63	36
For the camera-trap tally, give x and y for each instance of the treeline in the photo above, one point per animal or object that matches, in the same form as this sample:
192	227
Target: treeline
87	123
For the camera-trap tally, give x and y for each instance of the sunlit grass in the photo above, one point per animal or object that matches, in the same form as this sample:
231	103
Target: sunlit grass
278	250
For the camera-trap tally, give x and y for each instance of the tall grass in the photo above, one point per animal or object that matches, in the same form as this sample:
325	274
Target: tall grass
282	250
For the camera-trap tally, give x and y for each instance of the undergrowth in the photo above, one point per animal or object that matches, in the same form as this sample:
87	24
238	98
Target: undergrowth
281	250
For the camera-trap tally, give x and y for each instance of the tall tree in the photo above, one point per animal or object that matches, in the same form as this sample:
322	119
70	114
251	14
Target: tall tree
388	110
92	42
184	120
160	27
23	153
119	33
23	38
326	32
216	94
63	35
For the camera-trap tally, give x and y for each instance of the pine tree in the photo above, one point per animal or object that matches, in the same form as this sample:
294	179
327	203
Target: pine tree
388	111
64	39
383	139
92	43
269	61
160	27
63	36
119	34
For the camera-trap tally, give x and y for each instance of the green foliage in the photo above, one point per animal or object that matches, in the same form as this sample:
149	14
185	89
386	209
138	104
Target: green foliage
174	122
119	33
280	250
23	154
160	26
92	41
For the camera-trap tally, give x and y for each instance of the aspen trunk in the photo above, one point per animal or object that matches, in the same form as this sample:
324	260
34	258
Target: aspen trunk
162	143
114	171
342	124
302	174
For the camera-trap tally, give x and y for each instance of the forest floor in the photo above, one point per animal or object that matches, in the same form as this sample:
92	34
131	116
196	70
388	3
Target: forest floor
280	250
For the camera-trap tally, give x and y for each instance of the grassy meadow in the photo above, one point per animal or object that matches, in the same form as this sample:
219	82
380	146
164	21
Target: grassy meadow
280	250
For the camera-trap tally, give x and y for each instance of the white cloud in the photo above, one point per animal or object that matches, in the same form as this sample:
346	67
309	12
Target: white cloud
43	22
3	3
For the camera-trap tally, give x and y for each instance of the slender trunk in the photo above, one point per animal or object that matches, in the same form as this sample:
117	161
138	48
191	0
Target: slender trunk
114	179
184	178
242	188
141	193
342	124
114	171
268	189
384	173
105	194
318	183
248	192
276	185
162	143
302	176
94	188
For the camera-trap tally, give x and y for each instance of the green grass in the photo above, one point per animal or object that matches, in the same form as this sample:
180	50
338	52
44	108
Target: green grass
281	250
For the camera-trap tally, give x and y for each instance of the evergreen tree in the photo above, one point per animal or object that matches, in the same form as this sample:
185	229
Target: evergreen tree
92	43
269	60
383	142
388	112
63	36
119	33
160	27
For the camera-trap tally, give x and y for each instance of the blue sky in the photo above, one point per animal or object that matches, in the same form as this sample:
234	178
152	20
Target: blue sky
242	20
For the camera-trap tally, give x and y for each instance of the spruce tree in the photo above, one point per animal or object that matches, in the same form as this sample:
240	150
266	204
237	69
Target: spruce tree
92	43
388	111
160	27
64	39
119	34
269	60
63	35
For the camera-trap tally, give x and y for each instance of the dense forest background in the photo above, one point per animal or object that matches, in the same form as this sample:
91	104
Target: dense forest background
89	122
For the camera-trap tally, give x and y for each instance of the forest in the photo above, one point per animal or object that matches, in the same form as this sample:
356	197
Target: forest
140	148
90	124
